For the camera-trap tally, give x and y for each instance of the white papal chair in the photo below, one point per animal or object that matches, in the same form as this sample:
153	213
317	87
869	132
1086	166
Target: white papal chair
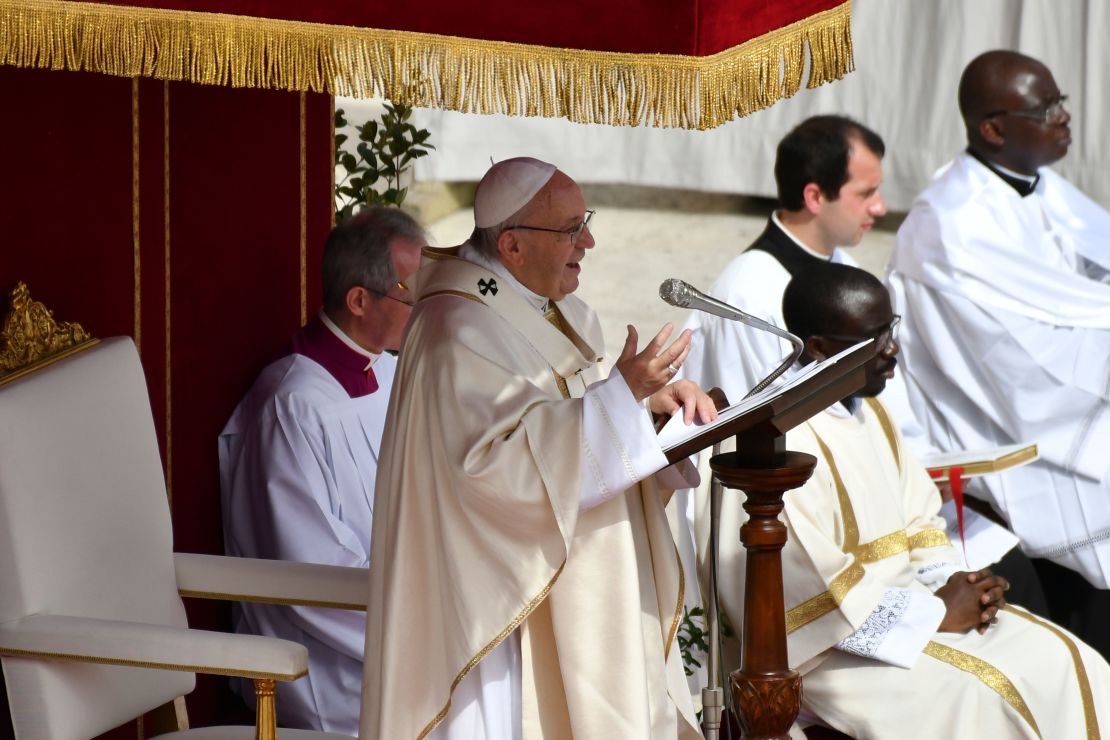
92	628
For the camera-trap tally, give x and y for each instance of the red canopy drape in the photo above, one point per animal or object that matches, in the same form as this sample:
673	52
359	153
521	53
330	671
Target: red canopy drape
687	63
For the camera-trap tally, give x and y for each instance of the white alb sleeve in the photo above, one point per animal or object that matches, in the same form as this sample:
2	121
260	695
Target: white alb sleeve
898	629
619	444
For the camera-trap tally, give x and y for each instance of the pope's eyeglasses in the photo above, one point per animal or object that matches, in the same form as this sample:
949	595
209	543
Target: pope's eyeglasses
574	232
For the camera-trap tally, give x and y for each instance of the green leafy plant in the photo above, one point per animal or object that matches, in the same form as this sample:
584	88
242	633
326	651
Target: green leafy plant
384	151
693	640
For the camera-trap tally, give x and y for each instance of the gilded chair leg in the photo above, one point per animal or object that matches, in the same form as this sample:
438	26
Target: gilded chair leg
265	721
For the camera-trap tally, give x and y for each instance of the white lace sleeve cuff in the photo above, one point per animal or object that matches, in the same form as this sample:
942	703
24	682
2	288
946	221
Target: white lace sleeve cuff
898	629
619	445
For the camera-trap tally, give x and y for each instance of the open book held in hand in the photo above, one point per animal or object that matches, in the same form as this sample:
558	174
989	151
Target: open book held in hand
675	432
973	463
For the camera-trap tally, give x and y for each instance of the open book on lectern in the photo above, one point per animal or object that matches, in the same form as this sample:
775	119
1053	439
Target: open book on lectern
679	440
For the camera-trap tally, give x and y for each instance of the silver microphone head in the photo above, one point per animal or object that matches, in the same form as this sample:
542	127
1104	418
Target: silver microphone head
676	292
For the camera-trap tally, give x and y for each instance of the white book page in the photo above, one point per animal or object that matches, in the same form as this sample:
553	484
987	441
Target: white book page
675	431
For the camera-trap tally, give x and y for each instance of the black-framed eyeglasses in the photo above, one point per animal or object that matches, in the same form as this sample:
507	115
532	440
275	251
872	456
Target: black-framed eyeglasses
574	232
884	340
400	285
1054	112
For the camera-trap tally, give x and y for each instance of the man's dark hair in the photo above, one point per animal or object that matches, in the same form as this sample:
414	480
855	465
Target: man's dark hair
357	252
814	301
816	150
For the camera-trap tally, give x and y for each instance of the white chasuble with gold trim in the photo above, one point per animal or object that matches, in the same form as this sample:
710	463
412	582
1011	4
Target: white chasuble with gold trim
506	511
864	544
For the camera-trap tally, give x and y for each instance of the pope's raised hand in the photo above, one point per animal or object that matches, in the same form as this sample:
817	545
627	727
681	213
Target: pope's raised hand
648	371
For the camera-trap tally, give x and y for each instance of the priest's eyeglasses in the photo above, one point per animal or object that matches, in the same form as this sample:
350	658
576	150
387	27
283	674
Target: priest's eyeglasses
884	340
1054	112
400	285
574	232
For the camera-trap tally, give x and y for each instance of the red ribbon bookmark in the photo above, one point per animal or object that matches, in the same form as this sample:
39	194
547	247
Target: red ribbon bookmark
956	483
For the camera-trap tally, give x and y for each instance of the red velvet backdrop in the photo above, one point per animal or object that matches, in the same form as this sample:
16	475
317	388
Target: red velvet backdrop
198	254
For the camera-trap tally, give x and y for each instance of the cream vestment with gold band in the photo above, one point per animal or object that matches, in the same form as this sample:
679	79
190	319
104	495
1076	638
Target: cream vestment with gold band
481	537
865	552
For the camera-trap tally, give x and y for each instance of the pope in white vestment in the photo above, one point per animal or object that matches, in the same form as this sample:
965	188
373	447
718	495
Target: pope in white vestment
1006	332
508	521
524	581
864	554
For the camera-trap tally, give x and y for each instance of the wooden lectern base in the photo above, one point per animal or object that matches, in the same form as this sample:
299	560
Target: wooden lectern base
765	692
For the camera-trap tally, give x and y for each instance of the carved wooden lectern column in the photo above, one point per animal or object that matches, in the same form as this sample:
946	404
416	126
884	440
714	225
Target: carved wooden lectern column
765	692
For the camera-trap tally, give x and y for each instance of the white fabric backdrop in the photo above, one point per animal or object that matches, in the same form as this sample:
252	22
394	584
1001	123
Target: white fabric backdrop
909	55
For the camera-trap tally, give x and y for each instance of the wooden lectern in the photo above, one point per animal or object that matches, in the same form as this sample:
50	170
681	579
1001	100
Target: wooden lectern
765	692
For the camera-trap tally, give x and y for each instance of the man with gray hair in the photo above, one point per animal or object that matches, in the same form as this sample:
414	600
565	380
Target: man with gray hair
524	582
298	458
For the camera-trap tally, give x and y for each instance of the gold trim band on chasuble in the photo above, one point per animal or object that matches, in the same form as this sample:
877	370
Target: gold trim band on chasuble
676	622
985	672
517	621
884	547
1090	717
429	70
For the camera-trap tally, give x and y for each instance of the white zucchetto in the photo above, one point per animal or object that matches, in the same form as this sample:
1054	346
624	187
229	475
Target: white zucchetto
507	187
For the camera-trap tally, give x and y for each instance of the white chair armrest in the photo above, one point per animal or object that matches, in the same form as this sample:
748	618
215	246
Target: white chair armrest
111	642
271	581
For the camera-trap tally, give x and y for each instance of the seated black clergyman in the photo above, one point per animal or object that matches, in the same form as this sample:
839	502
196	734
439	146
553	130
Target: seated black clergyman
891	637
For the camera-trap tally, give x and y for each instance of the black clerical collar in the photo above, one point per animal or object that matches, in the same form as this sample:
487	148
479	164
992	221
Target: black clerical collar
1022	185
776	242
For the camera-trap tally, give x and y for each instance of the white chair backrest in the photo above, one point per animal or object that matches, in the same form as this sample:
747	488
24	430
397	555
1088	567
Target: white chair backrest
84	531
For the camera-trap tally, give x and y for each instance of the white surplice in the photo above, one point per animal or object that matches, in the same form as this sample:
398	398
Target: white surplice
298	460
519	588
1006	333
864	554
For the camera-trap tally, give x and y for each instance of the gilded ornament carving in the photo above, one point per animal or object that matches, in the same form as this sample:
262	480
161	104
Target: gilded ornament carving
32	335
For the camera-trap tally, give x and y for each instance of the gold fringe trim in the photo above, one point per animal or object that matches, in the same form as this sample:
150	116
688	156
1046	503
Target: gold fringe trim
429	70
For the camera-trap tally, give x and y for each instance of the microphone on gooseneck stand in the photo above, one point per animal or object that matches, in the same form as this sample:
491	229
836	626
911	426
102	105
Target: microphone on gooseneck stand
683	295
